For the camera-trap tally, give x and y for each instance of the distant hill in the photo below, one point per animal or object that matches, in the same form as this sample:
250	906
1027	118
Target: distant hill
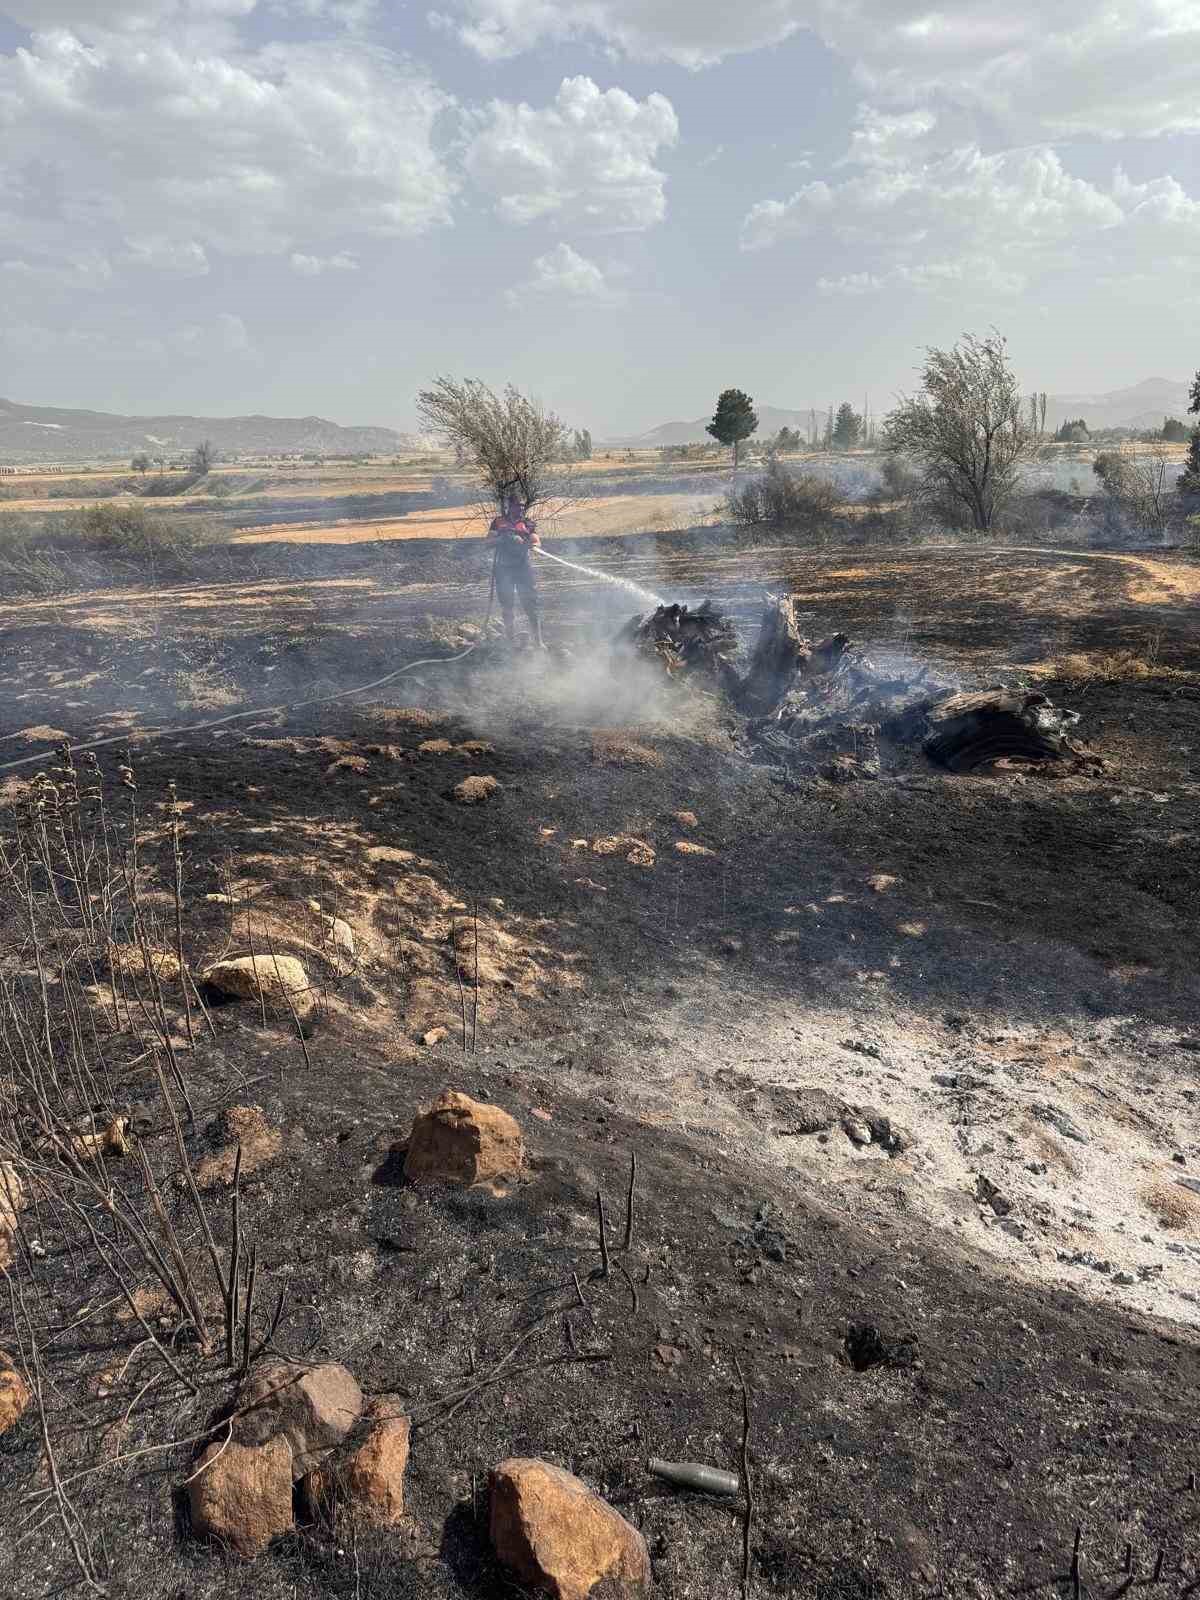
770	420
1142	405
45	433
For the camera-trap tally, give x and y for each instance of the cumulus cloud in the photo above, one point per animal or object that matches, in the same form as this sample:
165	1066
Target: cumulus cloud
1125	69
968	220
315	266
162	155
562	273
585	160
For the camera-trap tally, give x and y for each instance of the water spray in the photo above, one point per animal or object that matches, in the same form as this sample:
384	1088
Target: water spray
607	577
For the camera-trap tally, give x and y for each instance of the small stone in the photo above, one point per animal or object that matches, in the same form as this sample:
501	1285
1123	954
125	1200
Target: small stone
434	1036
561	1539
460	1140
15	1395
881	882
1124	1279
242	1495
857	1132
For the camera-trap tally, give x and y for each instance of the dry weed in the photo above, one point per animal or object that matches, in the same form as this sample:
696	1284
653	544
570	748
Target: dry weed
618	750
1173	1205
474	791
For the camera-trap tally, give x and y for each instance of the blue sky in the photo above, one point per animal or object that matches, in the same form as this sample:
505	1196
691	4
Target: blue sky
623	206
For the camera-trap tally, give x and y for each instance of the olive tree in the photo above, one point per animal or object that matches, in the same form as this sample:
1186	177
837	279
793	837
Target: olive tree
966	430
508	440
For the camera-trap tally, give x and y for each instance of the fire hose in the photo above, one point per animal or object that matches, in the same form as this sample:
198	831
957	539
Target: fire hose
258	711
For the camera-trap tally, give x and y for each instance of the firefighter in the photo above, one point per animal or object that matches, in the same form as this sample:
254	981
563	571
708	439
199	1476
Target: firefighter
515	538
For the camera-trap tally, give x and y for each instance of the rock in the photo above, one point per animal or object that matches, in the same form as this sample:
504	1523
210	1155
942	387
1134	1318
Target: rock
473	791
987	1192
881	882
883	1130
856	1132
15	1395
339	934
556	1535
12	1200
110	1141
1060	1120
312	1408
246	1126
242	1495
460	1140
434	1036
366	1477
277	979
811	1110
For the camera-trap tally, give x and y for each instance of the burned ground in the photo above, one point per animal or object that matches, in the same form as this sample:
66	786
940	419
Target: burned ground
1002	966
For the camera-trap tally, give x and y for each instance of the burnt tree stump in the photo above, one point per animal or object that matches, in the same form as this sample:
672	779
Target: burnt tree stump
973	730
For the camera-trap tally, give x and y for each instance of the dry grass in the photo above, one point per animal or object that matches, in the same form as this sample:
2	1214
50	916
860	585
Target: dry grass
475	790
1173	1205
618	750
686	847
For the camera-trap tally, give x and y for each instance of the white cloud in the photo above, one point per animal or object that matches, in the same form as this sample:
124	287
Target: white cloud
315	266
1129	67
965	221
880	140
162	155
173	258
587	160
564	274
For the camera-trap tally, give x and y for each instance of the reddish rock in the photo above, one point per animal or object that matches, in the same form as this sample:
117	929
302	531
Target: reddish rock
14	1395
366	1477
458	1140
557	1536
241	1497
312	1408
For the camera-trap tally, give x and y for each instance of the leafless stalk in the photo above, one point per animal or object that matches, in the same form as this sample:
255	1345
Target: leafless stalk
748	1518
602	1270
628	1243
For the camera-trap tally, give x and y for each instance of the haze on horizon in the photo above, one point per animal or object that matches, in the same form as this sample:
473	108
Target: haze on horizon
311	206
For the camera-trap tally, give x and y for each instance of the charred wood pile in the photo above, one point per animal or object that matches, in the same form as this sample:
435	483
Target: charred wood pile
826	709
685	643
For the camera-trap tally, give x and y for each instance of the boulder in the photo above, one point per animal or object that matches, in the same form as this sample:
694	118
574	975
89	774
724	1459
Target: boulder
276	979
557	1536
12	1200
312	1408
241	1496
366	1477
15	1395
458	1140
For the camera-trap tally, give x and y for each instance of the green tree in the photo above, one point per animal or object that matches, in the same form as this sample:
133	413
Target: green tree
1188	482
966	429
203	457
1073	431
847	429
1174	431
735	419
140	463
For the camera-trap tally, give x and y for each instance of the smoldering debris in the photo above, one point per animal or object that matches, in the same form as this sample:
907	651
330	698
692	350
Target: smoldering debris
827	709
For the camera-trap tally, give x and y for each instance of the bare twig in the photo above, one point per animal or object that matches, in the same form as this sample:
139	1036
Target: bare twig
629	1281
628	1244
748	1518
602	1270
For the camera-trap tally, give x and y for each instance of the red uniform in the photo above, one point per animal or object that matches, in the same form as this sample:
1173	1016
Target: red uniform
515	539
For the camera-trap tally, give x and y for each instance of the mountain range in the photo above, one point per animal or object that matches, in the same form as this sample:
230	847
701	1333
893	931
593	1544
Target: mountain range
1140	406
46	433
